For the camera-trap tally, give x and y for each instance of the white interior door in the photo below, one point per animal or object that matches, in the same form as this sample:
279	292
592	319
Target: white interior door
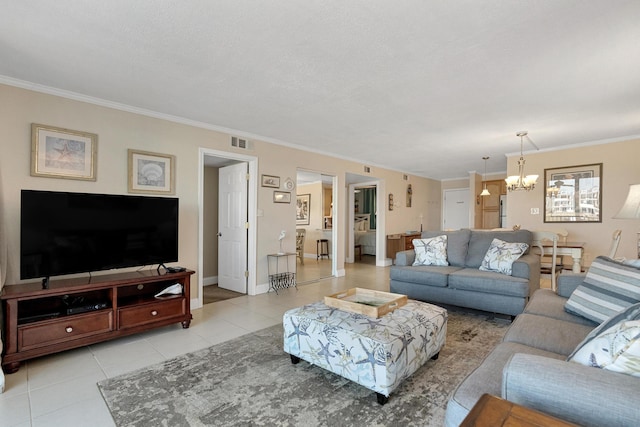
455	214
232	230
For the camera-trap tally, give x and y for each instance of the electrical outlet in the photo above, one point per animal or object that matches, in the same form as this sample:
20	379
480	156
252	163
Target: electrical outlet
535	211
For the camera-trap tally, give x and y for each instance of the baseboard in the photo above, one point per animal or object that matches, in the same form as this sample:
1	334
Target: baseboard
195	304
262	288
212	280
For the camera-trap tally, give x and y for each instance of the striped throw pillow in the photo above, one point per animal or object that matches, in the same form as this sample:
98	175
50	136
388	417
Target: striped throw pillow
608	288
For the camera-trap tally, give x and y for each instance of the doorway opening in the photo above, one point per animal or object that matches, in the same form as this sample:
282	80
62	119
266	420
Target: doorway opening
316	220
366	232
223	188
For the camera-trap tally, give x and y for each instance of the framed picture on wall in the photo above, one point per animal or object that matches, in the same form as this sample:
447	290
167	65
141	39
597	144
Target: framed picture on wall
303	209
281	197
63	153
270	181
573	194
151	172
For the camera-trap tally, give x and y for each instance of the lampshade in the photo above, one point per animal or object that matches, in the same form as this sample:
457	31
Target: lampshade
485	192
631	207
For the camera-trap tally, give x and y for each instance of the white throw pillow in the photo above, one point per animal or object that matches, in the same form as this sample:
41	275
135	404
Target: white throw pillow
616	349
501	255
431	251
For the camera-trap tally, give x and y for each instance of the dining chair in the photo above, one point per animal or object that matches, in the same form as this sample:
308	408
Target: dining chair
300	236
547	268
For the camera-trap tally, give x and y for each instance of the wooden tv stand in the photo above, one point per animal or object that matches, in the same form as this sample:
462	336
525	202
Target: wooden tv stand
76	312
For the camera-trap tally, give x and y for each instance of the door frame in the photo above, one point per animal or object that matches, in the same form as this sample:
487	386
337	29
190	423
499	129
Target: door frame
252	207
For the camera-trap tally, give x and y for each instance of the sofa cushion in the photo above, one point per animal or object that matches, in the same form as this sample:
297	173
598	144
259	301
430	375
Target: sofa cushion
471	279
423	274
486	378
546	333
608	288
457	244
431	251
480	240
545	302
501	255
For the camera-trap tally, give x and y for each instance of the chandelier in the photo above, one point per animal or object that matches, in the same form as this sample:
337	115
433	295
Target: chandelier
520	181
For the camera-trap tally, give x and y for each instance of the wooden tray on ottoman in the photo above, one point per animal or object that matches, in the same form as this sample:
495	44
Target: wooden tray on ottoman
366	301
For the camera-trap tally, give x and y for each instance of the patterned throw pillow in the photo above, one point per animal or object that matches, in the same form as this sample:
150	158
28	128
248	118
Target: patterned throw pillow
431	251
614	345
501	255
608	288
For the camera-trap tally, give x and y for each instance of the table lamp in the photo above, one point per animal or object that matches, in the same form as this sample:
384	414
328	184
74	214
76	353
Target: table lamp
631	208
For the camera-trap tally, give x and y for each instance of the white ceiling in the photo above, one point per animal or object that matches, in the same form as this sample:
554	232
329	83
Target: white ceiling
427	87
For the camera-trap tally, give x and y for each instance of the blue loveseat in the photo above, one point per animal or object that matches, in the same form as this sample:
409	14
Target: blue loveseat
461	283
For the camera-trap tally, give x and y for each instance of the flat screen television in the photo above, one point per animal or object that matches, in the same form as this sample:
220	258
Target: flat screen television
65	233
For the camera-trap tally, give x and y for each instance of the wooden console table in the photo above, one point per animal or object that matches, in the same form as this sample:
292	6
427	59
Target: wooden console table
400	242
492	411
76	312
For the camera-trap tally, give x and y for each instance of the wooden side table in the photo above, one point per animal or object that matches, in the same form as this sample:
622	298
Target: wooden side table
492	411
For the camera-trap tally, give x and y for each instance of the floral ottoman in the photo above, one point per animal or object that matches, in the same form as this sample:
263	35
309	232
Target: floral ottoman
376	353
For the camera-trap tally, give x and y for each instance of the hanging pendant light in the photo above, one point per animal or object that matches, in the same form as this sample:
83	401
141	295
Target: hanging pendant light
520	181
485	192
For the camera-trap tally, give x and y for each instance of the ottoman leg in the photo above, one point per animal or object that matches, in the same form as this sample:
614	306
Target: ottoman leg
294	359
382	399
435	356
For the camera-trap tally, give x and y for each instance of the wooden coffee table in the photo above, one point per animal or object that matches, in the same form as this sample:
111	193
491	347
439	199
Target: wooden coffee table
492	411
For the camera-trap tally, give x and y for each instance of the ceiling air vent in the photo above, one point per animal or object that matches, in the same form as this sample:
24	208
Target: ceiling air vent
239	142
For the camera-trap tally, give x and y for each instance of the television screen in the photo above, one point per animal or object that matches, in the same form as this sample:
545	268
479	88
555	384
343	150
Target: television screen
65	233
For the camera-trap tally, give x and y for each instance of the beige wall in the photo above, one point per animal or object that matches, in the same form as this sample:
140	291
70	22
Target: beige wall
120	130
620	168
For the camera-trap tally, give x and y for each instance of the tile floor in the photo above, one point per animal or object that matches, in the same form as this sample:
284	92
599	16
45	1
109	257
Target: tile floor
60	390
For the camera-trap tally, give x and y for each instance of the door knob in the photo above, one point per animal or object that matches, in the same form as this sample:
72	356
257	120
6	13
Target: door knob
219	234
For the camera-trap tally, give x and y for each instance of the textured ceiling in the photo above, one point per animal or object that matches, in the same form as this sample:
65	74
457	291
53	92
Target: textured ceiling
427	87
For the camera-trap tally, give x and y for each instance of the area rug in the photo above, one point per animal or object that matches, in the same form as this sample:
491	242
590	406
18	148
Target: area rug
251	381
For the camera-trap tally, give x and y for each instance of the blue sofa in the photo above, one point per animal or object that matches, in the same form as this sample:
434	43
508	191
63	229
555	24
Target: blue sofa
461	283
530	368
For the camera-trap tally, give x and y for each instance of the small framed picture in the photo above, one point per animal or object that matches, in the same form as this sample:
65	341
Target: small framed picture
270	181
281	197
63	153
303	209
151	172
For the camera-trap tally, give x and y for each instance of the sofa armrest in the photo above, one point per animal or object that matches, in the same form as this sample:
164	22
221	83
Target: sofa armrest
581	394
404	258
528	267
568	282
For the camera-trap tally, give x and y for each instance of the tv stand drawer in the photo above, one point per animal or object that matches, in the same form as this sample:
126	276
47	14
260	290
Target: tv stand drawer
64	329
129	317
